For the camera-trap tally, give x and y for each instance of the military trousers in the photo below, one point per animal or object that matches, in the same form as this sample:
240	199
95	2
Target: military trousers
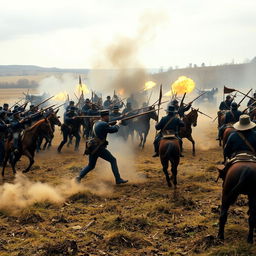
106	155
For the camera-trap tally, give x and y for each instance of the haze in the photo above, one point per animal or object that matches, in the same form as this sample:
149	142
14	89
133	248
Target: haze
73	33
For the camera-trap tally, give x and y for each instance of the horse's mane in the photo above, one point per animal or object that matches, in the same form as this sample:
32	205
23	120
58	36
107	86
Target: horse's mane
35	125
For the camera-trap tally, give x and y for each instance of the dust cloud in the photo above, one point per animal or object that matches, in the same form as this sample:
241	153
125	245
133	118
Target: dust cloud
125	153
24	192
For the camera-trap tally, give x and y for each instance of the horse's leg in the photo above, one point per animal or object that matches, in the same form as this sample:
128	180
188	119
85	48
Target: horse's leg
165	170
141	138
45	144
30	156
6	157
174	170
50	143
223	218
78	137
13	160
252	217
145	138
193	144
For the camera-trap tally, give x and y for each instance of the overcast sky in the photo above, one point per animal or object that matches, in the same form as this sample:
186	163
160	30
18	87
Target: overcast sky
72	33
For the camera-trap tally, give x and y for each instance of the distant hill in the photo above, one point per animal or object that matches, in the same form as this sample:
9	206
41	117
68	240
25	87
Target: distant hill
233	75
26	70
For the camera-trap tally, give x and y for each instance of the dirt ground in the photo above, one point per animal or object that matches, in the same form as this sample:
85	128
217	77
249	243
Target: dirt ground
142	217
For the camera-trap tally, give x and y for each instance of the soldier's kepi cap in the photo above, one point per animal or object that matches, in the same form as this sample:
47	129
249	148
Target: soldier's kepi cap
104	113
244	123
170	109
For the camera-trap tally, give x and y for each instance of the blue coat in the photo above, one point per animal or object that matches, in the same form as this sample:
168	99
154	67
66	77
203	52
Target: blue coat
225	105
101	129
232	116
174	125
235	143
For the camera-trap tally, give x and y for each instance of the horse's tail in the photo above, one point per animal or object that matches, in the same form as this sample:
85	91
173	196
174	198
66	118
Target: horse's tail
171	151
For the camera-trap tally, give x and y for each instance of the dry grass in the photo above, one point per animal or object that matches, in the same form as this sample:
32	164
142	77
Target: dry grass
145	218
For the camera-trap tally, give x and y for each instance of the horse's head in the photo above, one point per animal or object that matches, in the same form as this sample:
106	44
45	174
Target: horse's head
54	119
192	116
153	115
46	129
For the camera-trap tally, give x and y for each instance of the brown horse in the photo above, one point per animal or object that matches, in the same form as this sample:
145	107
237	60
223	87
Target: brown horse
186	131
28	144
225	137
221	119
240	179
169	150
54	120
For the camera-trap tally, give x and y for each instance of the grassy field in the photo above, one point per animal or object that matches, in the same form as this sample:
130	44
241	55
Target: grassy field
142	217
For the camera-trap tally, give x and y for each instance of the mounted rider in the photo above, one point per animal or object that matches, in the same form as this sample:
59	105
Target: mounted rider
226	104
180	109
169	124
17	125
3	133
252	102
99	147
231	117
243	139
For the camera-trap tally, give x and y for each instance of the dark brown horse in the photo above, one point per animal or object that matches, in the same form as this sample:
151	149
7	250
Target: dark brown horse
54	120
169	150
240	179
28	144
226	135
142	126
186	132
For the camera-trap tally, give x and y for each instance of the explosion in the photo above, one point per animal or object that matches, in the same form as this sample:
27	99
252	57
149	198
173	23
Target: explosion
82	88
181	85
121	92
60	96
149	85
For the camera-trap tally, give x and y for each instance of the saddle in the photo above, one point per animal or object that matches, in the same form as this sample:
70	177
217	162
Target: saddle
240	157
169	135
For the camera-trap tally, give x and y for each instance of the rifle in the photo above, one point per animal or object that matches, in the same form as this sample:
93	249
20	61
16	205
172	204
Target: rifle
131	117
39	104
244	98
182	100
198	97
59	106
35	114
15	103
250	106
202	113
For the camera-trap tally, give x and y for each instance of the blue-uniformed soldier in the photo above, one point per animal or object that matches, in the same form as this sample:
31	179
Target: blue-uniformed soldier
170	123
226	104
252	102
231	117
243	139
180	109
17	126
3	132
117	102
129	128
107	103
71	104
115	114
100	131
6	107
71	122
86	107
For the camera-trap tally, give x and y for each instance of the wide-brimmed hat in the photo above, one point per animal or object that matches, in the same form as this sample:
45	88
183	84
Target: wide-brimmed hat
244	123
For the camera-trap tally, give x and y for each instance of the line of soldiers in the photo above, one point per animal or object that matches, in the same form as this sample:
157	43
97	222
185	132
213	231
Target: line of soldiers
13	122
230	114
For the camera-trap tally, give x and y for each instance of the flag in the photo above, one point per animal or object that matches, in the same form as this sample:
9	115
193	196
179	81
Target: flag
228	90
